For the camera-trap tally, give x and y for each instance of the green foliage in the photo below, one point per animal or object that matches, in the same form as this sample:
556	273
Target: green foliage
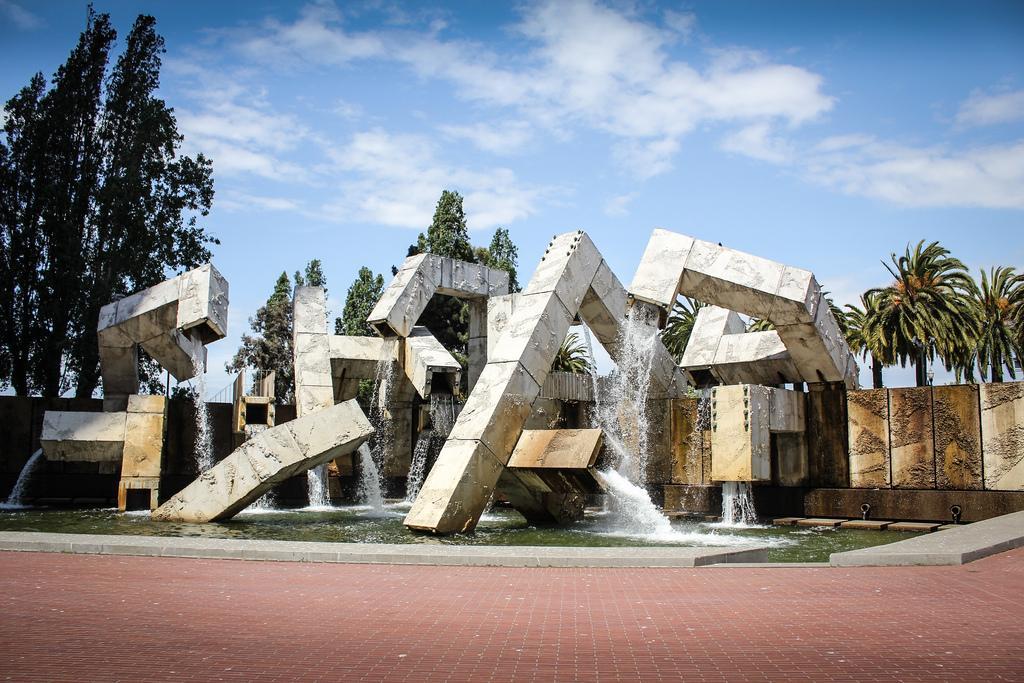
572	356
502	254
314	276
362	296
925	313
448	234
96	203
999	306
863	338
679	326
269	346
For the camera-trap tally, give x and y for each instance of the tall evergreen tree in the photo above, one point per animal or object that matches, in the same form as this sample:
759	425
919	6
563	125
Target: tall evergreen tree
97	204
269	346
360	300
502	254
314	276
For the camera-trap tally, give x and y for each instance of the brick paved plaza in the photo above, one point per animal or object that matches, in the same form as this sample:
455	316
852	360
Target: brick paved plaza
97	618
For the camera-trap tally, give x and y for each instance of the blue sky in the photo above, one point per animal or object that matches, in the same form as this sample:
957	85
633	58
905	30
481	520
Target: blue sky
824	135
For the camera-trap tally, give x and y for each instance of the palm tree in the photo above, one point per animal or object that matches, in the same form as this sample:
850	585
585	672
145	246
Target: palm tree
926	311
999	305
573	357
679	326
863	338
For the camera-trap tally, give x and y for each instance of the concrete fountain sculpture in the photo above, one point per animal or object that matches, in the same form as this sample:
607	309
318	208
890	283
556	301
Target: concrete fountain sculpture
173	321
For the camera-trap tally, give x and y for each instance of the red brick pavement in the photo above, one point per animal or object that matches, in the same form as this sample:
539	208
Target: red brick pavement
91	618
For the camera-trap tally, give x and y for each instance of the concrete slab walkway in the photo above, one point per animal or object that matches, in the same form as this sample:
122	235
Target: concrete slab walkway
957	545
379	553
73	617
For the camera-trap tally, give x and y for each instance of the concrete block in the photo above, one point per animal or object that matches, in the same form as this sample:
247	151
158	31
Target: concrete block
425	357
868	415
918	527
119	367
786	521
740	436
567	268
797	299
731	279
203	303
89	437
143	444
174	351
496	410
786	410
956	412
687	442
657	278
819	521
871	524
1002	435
403	301
911	446
710	326
604	307
827	440
267	459
147	404
499	313
309	306
456	490
557	448
790	466
535	332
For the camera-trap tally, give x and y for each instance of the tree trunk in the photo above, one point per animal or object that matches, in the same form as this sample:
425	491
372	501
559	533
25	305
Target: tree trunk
921	369
876	373
997	371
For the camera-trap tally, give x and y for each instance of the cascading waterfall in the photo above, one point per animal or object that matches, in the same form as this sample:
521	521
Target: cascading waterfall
16	499
430	441
380	417
418	466
204	439
316	487
738	505
620	409
369	480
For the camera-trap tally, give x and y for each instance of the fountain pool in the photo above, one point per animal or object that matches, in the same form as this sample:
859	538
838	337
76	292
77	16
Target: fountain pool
362	524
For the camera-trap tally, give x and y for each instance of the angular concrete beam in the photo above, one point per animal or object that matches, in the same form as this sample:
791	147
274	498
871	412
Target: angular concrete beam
170	320
267	459
416	282
532	327
557	449
88	437
788	297
426	359
720	345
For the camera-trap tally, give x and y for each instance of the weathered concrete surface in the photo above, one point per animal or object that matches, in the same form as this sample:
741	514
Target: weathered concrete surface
268	459
957	417
687	443
827	435
909	504
378	553
89	437
951	546
789	297
1002	435
719	343
703	499
740	435
868	411
743	419
419	278
557	448
911	446
426	358
533	326
171	321
144	436
314	388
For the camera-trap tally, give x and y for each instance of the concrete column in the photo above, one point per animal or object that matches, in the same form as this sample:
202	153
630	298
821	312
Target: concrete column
477	340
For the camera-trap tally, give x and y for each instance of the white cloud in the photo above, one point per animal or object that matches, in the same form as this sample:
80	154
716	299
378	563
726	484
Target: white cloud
757	141
19	16
395	179
241	201
586	65
987	177
981	109
619	205
504	137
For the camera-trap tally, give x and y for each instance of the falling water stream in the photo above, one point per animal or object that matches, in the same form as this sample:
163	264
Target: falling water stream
369	481
443	412
16	499
204	440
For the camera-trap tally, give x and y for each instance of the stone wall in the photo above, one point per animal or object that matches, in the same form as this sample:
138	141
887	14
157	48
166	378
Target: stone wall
958	438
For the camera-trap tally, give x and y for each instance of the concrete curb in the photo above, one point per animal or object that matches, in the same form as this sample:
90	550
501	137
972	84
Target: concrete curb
958	545
374	553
